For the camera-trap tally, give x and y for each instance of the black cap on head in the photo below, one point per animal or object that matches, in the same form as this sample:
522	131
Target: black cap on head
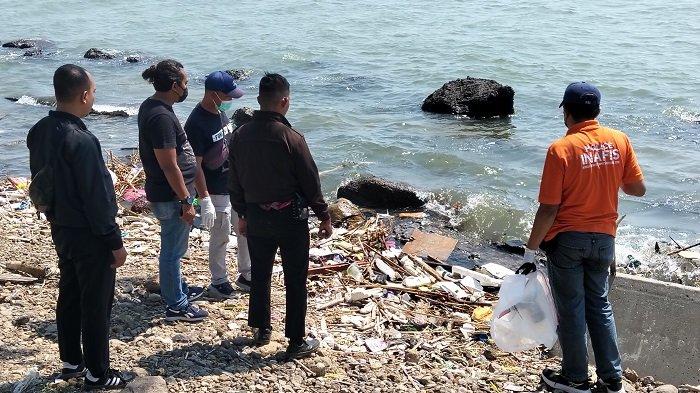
69	81
581	93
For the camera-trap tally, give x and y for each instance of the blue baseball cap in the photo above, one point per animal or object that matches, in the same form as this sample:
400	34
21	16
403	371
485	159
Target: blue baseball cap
581	93
222	81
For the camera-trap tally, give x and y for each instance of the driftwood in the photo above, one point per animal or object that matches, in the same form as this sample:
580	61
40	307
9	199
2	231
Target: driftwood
34	271
17	279
683	249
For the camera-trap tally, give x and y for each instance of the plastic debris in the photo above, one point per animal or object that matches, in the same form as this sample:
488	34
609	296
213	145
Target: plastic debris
353	271
386	269
376	344
481	314
497	270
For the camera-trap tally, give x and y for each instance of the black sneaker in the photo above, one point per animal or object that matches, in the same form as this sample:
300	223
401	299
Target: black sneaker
302	349
243	284
558	382
221	291
261	336
192	313
112	380
194	293
613	385
70	373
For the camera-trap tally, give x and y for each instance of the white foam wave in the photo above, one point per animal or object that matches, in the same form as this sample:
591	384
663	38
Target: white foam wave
113	108
683	113
27	100
639	244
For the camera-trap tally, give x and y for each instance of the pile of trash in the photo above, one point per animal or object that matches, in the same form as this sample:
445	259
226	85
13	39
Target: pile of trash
389	313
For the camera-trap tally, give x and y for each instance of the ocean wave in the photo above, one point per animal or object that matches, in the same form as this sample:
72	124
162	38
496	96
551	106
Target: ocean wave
31	101
115	108
98	108
638	245
683	113
296	58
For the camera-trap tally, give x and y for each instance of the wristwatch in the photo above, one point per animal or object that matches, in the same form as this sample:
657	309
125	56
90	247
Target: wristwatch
187	201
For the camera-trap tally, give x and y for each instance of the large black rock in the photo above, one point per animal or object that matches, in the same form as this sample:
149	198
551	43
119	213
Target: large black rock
376	193
94	53
25	43
240	74
242	116
34	47
474	97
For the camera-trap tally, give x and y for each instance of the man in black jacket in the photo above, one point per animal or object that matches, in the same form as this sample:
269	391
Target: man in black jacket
87	239
273	181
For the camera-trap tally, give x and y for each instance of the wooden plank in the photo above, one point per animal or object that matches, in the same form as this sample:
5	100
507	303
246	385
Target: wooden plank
17	279
425	244
415	215
34	271
339	267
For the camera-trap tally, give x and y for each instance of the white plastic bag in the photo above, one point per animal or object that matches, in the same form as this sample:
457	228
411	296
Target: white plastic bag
525	316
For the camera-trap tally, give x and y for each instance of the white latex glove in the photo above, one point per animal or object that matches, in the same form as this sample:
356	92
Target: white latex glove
530	256
207	212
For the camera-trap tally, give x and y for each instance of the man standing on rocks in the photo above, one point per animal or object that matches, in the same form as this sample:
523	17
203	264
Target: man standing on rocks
576	226
82	215
272	183
209	131
171	178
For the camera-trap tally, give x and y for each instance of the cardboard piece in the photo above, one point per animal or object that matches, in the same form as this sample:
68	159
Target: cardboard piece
430	244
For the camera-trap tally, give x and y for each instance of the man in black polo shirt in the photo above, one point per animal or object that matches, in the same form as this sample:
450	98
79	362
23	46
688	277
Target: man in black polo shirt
209	131
273	182
171	179
82	216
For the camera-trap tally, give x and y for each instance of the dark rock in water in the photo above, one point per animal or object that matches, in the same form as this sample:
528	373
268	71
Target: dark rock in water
373	192
240	74
133	59
94	53
115	113
34	52
22	43
474	97
46	101
242	116
36	47
513	246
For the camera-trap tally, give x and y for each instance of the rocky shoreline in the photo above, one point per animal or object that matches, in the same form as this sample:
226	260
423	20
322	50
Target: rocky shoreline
392	340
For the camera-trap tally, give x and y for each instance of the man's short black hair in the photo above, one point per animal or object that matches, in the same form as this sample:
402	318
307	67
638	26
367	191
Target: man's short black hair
163	74
582	112
273	87
69	81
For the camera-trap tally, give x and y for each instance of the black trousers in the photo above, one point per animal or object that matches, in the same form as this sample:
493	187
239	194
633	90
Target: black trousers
268	231
85	296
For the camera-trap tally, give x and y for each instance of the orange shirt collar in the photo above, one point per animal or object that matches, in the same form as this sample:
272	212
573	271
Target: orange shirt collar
581	125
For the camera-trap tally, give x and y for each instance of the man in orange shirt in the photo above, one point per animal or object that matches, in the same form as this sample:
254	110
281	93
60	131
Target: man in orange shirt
576	225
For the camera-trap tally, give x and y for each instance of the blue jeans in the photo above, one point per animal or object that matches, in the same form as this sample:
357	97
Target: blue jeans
174	237
578	265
